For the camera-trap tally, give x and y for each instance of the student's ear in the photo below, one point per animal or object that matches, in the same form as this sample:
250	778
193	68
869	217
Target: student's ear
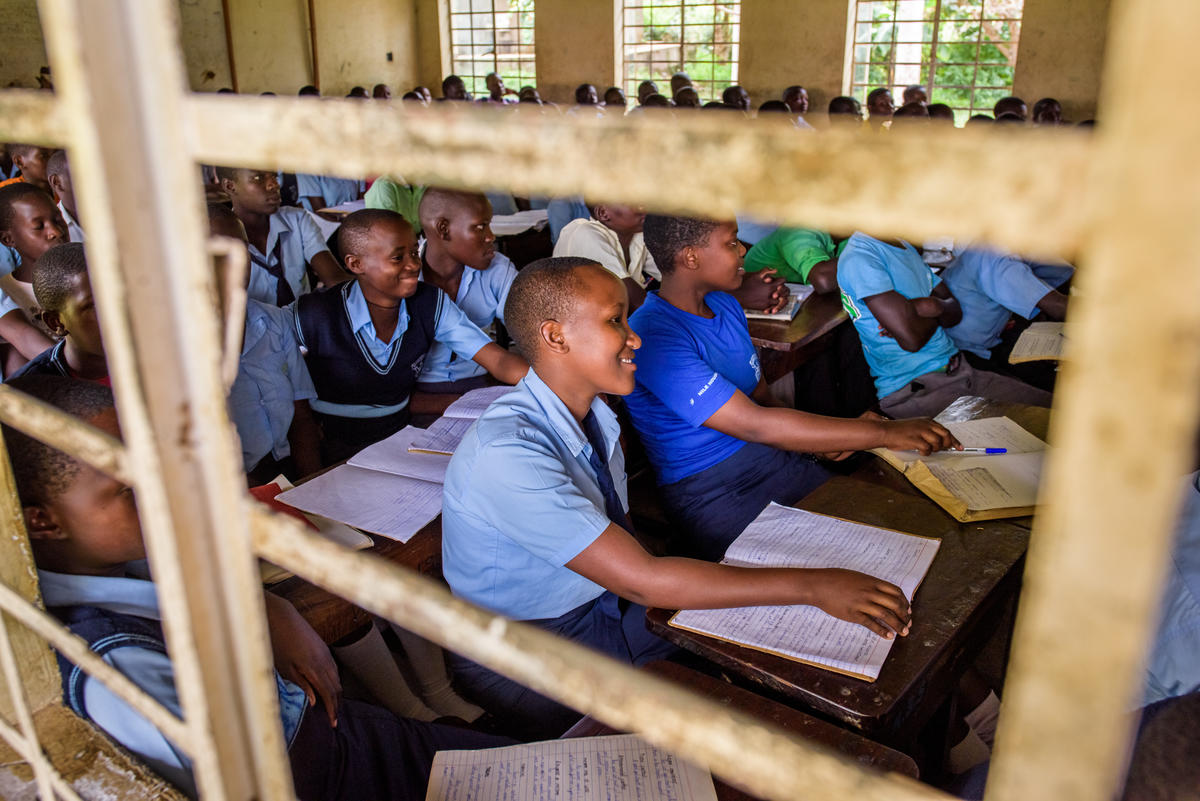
600	212
226	185
6	239
687	258
53	321
352	263
442	227
56	184
42	525
552	337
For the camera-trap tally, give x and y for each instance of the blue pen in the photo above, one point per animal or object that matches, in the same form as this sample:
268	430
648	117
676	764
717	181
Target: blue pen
981	450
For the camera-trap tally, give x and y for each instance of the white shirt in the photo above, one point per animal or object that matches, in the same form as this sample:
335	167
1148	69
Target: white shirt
73	229
590	239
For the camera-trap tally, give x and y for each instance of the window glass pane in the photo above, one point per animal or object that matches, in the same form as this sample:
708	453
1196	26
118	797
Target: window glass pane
661	37
961	9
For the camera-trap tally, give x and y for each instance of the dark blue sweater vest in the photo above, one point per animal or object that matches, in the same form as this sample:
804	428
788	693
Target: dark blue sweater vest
339	361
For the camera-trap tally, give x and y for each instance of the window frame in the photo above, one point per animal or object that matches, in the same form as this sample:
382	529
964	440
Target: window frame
525	55
708	88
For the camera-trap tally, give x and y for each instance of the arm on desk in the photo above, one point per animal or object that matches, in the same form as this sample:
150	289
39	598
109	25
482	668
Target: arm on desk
823	277
1054	305
617	562
792	430
913	322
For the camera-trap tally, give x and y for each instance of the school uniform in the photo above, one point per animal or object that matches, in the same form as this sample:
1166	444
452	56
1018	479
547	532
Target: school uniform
393	194
74	231
990	286
920	383
481	296
19	295
792	252
1172	667
713	485
363	384
280	274
591	239
335	191
527	490
271	378
371	753
53	361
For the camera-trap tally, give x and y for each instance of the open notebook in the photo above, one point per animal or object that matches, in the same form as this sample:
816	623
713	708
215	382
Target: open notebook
620	767
332	530
1039	342
978	487
786	537
799	294
449	429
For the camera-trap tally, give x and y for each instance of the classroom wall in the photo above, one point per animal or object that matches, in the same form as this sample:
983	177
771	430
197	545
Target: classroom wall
1061	54
206	56
22	53
432	45
354	41
576	43
270	45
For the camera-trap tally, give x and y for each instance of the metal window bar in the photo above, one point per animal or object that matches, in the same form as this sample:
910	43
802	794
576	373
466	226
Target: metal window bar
635	70
1133	171
465	22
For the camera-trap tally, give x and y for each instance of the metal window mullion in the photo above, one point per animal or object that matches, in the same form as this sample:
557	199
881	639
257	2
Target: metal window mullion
42	769
933	46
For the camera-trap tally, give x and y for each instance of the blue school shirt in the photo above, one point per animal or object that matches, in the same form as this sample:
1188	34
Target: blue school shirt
150	669
521	500
990	287
869	267
299	239
481	296
271	378
687	368
335	191
1173	665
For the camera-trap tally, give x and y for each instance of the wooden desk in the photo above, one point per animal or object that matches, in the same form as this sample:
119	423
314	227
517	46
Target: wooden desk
332	616
972	583
786	346
845	742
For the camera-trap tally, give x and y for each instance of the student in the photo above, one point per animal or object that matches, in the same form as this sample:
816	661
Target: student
1010	105
535	524
87	542
460	259
679	82
612	237
393	193
915	93
991	286
736	97
367	338
309	91
318	192
800	255
645	89
1047	111
941	113
268	402
879	108
585	95
497	91
30	224
358	93
31	161
381	91
58	174
64	294
720	446
901	311
453	88
284	241
687	97
529	94
796	99
845	112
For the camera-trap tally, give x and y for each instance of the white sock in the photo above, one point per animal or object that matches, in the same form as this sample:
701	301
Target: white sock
983	718
969	752
428	662
371	662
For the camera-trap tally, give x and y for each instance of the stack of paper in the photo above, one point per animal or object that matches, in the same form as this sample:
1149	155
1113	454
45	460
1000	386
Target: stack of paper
1039	342
331	530
978	487
616	768
449	429
786	537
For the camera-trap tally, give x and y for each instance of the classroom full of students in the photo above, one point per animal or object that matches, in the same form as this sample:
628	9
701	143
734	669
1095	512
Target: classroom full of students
632	378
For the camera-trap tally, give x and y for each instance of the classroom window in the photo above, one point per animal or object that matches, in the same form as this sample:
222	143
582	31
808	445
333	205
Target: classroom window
662	37
963	52
492	36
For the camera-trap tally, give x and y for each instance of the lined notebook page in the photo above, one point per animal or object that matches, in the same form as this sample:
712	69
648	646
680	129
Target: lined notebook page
443	436
474	403
1038	342
786	537
987	432
391	455
617	768
391	506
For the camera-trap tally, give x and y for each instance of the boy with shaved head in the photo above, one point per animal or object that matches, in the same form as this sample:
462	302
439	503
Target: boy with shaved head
535	522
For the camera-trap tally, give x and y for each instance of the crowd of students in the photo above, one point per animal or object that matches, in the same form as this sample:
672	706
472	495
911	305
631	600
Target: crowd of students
636	317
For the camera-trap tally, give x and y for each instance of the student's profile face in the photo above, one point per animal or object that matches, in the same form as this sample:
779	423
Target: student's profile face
37	226
598	334
881	105
798	102
98	515
626	220
33	164
739	98
78	317
456	90
719	258
494	84
256	191
390	264
468	236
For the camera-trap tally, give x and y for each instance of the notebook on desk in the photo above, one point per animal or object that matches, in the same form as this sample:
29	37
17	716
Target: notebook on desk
978	487
799	294
1039	342
448	430
785	537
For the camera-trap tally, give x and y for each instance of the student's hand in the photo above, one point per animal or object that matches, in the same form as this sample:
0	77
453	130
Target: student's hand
301	657
862	599
763	291
928	307
918	434
883	332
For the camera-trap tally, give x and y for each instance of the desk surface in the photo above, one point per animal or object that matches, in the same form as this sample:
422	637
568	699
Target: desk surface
818	315
973	578
845	742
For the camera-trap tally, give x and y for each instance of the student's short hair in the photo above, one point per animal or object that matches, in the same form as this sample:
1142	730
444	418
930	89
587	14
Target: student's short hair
1043	104
410	95
656	101
665	236
941	110
613	91
20	147
449	81
358	91
53	272
792	91
730	94
438	201
581	92
355	230
57	164
9	195
228	173
717	104
844	105
979	119
912	109
43	473
547	289
1007	104
773	105
1010	118
877	93
309	91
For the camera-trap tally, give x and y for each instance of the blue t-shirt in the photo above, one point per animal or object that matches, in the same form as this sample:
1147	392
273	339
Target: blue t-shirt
868	267
990	287
687	368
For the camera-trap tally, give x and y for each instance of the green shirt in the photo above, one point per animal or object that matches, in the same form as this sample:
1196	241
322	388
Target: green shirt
396	196
792	252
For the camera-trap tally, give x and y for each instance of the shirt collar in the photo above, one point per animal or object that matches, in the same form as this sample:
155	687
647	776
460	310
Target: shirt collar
564	423
275	228
256	325
469	274
128	595
360	315
67	218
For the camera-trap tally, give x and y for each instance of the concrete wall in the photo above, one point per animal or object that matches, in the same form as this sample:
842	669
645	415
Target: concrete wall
353	43
785	43
270	45
433	44
576	43
1061	54
22	54
205	53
